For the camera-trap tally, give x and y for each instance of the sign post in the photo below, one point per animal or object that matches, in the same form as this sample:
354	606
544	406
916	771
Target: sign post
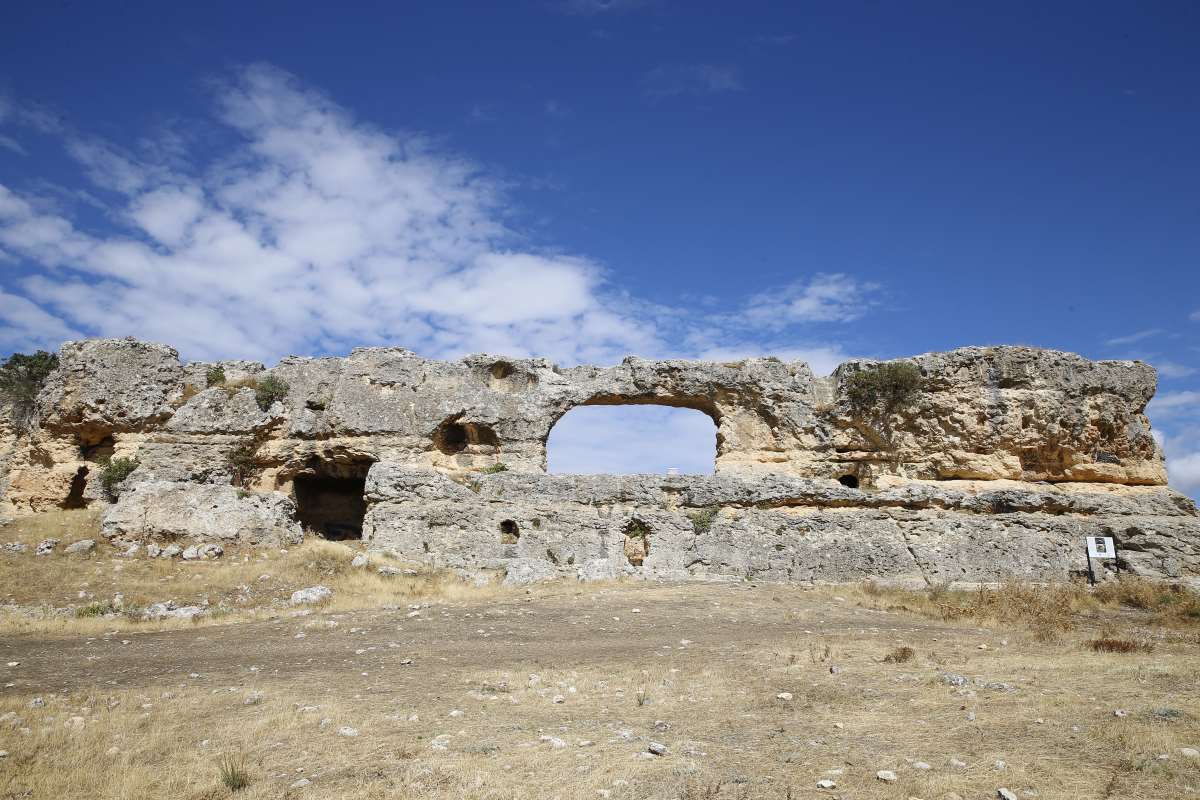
1100	548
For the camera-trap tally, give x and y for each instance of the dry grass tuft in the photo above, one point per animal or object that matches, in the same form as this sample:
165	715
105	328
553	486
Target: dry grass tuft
233	773
900	655
1109	644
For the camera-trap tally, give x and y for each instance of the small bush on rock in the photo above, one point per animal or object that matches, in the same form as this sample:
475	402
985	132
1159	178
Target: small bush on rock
878	392
883	388
22	376
702	519
269	390
241	462
114	472
215	375
498	467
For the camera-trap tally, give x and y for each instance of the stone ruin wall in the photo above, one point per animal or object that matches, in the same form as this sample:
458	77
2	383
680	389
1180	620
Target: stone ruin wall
1006	460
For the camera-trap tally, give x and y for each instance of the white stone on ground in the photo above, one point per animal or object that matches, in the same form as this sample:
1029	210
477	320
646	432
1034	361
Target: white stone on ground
313	594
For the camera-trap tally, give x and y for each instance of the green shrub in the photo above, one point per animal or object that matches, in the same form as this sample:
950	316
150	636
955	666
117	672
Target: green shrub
702	519
883	388
215	375
269	390
497	467
241	461
116	470
96	609
21	378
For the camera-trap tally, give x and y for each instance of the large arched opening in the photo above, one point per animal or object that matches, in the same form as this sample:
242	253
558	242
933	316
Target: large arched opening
627	438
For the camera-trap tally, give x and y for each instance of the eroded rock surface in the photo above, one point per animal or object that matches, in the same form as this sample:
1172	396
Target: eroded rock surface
1005	458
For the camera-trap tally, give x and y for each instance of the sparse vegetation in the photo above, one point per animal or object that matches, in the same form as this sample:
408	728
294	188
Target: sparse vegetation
158	732
269	390
877	392
242	461
499	466
22	377
1108	644
1046	609
233	773
637	529
114	472
189	391
900	655
884	388
703	518
215	376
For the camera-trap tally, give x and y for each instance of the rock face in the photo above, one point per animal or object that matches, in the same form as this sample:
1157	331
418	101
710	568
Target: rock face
1005	458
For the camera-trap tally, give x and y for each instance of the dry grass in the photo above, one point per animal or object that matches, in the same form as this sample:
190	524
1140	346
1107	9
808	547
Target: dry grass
103	592
1109	644
967	678
727	734
1046	609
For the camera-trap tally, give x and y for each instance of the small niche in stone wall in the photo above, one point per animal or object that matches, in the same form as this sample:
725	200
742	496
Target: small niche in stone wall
453	437
637	542
509	532
849	481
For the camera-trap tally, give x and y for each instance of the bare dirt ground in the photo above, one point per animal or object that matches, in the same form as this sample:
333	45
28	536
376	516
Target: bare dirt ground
564	692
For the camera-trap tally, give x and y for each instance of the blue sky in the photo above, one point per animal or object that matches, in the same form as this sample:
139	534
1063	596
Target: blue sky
586	179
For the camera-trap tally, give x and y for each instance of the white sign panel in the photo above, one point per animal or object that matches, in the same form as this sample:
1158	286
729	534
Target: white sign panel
1101	547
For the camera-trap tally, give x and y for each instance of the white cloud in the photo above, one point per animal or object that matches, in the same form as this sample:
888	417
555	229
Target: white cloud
316	228
1134	337
632	439
834	297
693	79
1170	369
1184	472
1169	403
1194	316
24	323
314	232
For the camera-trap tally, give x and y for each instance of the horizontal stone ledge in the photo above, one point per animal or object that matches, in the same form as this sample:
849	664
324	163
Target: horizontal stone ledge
395	482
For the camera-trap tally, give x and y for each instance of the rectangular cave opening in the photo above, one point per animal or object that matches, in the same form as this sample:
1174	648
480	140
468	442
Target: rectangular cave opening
330	501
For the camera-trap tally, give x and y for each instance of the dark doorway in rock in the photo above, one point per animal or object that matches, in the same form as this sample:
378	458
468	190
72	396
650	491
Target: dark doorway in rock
329	498
637	542
849	481
75	498
509	532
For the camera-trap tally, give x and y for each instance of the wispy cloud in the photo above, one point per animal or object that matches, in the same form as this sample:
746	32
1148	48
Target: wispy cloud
691	79
776	39
1170	369
9	143
1134	337
833	297
1194	316
1170	403
556	109
590	8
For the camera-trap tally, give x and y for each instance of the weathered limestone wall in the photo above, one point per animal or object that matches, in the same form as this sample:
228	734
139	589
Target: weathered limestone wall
775	528
1007	457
